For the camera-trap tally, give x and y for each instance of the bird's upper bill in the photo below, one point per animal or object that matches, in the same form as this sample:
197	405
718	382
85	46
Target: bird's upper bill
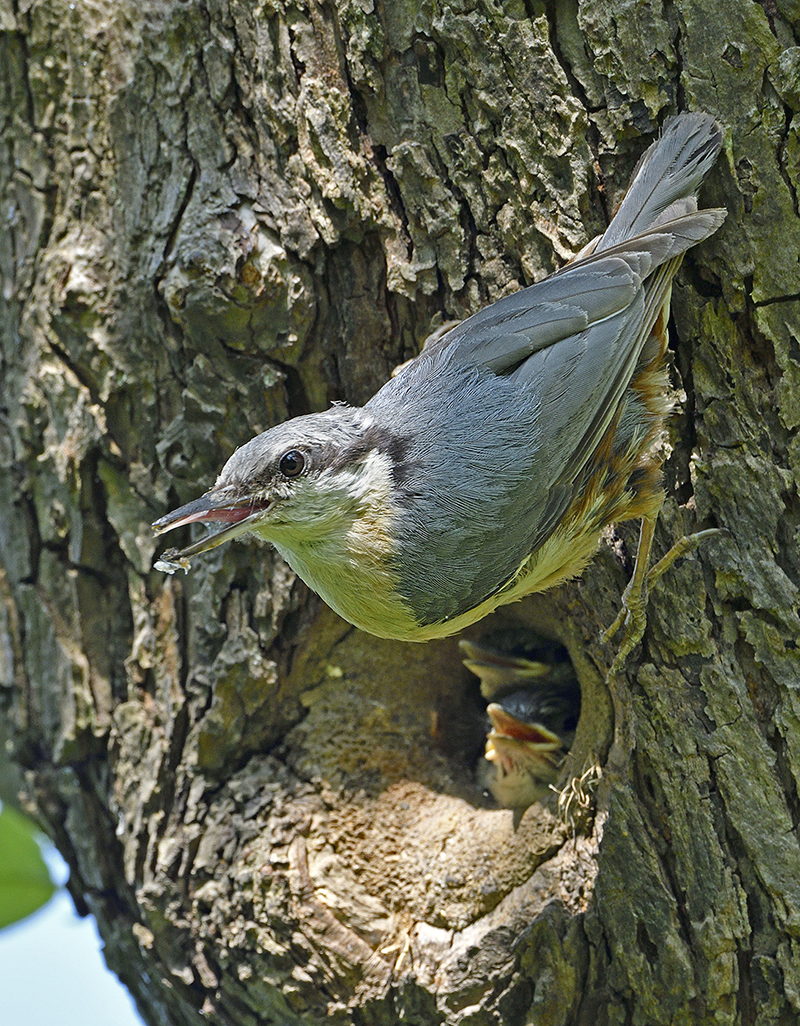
508	727
514	745
218	505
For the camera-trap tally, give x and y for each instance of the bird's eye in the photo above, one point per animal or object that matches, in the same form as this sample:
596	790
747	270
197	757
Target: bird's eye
292	463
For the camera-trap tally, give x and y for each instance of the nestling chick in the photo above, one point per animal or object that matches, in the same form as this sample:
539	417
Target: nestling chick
487	468
534	709
531	734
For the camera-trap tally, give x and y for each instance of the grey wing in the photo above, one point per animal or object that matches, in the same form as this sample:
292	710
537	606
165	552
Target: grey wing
501	337
577	336
575	339
582	378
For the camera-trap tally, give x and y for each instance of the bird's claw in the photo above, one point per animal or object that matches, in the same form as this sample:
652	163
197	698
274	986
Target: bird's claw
682	547
612	628
633	611
633	615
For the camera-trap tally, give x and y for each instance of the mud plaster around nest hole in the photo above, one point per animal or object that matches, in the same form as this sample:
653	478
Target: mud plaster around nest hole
404	829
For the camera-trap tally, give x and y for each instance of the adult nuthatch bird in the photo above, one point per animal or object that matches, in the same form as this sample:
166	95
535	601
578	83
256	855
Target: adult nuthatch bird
487	468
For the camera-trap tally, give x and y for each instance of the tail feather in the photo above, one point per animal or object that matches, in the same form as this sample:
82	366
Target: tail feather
667	177
663	241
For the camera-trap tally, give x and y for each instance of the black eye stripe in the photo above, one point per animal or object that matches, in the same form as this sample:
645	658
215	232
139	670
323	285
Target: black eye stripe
292	463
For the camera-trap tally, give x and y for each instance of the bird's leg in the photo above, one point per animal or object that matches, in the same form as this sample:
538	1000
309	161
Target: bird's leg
633	612
634	598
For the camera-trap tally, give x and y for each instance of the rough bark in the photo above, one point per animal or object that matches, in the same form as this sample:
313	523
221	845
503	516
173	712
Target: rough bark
219	215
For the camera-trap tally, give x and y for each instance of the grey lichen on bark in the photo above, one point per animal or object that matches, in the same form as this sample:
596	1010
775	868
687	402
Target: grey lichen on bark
221	215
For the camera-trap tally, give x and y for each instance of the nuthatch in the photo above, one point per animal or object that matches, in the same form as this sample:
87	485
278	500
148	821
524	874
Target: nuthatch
531	734
534	705
487	468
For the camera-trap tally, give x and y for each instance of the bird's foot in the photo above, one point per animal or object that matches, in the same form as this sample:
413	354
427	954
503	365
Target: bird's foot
633	616
633	612
682	547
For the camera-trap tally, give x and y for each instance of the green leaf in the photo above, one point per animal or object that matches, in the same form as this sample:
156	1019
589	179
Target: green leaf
25	883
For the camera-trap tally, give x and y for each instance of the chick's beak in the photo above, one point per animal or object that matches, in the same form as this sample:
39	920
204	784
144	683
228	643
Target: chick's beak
522	759
217	506
532	739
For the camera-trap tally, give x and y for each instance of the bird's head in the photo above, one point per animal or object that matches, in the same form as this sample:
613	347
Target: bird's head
299	482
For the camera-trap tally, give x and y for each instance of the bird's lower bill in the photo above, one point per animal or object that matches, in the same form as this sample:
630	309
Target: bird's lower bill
238	518
512	743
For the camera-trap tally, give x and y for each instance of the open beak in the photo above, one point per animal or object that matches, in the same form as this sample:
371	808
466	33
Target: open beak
498	670
523	759
216	506
504	725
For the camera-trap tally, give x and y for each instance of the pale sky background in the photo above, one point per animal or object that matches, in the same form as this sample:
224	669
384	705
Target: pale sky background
52	972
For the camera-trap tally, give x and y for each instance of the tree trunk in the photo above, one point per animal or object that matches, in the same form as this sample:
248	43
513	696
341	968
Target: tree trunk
222	214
